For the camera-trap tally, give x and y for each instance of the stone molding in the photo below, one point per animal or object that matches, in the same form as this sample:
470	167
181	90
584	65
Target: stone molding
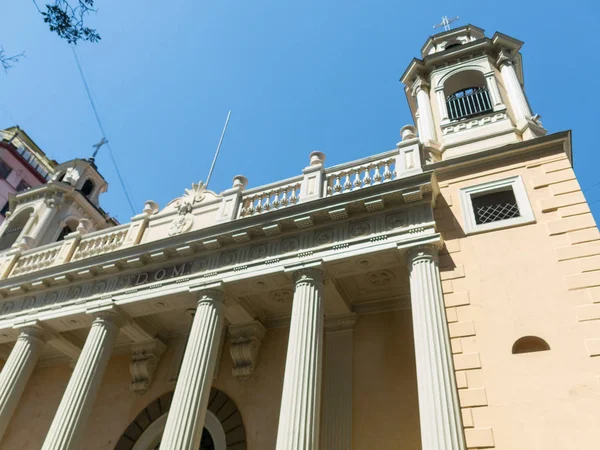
144	361
245	340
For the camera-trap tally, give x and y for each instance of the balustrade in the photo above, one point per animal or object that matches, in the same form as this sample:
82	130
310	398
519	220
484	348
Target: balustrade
272	199
97	244
36	259
361	176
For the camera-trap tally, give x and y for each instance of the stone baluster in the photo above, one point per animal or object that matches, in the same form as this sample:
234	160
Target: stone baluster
185	421
18	369
69	424
300	403
439	410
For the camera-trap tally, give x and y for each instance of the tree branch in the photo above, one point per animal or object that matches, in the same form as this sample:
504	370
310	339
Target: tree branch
8	61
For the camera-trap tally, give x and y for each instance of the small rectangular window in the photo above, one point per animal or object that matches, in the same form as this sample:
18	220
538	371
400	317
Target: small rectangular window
22	186
5	170
494	205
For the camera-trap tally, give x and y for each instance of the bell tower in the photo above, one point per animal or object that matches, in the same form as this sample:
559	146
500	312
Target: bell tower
466	93
48	213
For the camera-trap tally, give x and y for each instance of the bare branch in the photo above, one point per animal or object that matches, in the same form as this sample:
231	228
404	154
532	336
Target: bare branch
8	61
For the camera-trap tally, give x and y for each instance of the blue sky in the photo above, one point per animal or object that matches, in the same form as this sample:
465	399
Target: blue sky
299	76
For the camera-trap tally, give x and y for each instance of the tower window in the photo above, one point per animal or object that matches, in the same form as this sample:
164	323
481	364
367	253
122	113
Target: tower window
87	187
494	205
5	170
468	102
5	209
64	232
22	186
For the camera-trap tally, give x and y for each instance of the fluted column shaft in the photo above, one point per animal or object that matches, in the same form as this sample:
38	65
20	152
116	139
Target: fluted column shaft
300	403
17	370
425	122
185	421
439	410
69	424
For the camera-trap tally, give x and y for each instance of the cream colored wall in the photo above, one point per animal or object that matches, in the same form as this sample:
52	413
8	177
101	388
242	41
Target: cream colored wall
385	398
505	284
385	404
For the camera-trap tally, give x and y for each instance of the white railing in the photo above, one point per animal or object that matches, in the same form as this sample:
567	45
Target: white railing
101	242
270	197
38	259
361	175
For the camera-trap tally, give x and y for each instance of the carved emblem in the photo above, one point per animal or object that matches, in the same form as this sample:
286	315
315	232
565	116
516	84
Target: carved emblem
396	220
290	244
361	228
258	251
184	220
282	296
380	277
324	237
228	258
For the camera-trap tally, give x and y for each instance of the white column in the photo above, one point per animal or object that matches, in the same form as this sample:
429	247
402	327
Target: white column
495	97
443	107
185	421
69	424
420	90
439	410
46	217
300	403
517	98
336	420
17	370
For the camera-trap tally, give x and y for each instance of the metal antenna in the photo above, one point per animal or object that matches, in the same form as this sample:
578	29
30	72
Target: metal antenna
212	167
446	23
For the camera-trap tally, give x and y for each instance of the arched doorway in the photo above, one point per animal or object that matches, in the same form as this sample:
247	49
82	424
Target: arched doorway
223	427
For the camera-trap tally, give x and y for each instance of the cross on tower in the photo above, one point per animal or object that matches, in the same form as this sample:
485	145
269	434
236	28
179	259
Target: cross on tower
98	145
446	23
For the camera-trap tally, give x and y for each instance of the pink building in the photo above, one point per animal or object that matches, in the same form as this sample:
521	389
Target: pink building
22	165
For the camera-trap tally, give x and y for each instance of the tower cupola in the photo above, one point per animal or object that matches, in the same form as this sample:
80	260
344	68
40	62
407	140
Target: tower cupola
48	213
466	93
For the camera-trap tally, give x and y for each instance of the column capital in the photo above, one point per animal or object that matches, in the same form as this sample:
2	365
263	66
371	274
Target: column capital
211	294
107	315
33	330
504	58
422	252
419	84
310	275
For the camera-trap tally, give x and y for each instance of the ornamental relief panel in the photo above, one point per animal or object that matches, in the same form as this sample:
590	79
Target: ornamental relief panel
268	251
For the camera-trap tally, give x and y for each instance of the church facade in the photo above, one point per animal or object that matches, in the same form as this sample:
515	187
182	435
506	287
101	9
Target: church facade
443	295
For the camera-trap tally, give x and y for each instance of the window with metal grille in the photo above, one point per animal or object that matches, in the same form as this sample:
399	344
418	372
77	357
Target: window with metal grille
468	102
5	170
494	206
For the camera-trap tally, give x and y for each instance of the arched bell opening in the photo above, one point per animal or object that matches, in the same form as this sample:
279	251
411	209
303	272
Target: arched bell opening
15	228
467	95
223	425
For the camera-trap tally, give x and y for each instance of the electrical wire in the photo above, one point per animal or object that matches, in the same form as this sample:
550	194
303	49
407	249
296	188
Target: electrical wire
97	116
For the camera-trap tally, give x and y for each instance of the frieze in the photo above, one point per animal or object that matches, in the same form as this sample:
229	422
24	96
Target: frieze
234	260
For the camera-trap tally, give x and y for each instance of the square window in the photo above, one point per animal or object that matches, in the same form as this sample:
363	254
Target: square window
494	205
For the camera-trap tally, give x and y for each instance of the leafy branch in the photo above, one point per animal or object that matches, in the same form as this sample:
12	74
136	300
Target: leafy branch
68	21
